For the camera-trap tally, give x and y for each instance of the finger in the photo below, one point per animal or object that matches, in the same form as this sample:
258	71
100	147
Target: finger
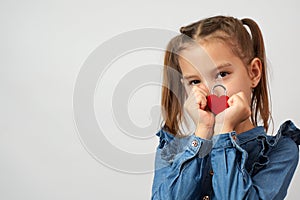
200	96
201	100
234	99
203	104
197	98
231	100
201	90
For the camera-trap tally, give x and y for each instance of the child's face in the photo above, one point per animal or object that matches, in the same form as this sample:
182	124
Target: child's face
215	64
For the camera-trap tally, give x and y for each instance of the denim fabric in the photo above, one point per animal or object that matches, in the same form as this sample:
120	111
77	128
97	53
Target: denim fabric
250	165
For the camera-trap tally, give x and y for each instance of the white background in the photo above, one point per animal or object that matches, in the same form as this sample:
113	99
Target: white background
43	45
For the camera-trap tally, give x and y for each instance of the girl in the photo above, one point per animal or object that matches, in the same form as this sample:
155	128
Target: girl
229	155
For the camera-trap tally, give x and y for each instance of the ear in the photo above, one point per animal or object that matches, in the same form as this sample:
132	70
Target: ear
255	71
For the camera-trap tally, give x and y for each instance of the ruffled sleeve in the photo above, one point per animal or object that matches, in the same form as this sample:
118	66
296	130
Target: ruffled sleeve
289	129
271	171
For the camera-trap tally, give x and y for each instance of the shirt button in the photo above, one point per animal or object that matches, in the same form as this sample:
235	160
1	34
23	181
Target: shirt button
195	143
206	198
234	137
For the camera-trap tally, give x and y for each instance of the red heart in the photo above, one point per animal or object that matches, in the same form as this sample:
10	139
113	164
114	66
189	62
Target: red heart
217	104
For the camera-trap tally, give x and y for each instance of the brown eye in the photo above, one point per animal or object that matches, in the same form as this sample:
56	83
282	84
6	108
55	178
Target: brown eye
222	74
194	82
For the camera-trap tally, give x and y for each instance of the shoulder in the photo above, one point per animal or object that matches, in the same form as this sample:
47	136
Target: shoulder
286	147
289	129
164	137
285	144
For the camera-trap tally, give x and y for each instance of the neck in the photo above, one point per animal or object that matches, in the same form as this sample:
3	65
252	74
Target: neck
244	126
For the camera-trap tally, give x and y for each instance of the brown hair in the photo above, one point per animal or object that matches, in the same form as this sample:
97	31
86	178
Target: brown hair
244	45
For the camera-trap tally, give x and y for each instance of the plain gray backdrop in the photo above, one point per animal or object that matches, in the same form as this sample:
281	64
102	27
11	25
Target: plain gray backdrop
43	46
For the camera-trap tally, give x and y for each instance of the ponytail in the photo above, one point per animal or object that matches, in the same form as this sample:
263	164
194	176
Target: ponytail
260	99
258	42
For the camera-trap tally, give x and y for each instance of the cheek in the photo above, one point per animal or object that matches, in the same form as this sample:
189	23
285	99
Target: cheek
247	93
231	90
238	82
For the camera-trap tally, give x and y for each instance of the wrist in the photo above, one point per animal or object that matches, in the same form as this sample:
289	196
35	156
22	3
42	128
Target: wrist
223	128
227	129
204	132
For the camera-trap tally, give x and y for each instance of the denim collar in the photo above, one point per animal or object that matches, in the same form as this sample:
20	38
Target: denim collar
251	134
243	137
163	134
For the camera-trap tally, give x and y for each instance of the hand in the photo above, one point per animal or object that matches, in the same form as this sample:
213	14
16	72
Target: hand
196	108
237	112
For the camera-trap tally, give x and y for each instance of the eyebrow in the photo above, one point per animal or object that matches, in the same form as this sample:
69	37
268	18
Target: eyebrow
218	68
190	76
223	65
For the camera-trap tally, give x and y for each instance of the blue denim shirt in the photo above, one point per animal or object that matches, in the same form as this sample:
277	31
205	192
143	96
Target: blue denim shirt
251	165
